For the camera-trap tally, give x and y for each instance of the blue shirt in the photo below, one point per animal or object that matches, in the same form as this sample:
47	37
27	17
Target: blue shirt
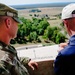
64	63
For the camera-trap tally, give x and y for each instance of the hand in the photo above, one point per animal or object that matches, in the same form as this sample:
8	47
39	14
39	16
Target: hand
62	46
33	65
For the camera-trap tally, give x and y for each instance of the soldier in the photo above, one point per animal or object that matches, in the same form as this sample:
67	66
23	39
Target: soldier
10	64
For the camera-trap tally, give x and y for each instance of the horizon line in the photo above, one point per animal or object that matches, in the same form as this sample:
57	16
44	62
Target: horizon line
43	3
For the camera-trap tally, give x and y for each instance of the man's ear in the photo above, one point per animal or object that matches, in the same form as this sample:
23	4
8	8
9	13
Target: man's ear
65	22
7	22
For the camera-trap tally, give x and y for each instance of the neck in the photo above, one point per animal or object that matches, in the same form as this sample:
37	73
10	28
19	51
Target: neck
72	33
4	38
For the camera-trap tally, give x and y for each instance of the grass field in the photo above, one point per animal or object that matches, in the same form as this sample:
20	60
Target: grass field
50	11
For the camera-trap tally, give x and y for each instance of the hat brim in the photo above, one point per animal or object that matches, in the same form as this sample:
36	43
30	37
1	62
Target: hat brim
17	20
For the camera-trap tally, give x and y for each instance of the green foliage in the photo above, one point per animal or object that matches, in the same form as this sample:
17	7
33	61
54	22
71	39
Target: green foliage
40	31
31	30
62	25
56	28
42	26
34	27
60	38
53	38
53	34
38	39
21	40
48	32
33	36
30	14
13	41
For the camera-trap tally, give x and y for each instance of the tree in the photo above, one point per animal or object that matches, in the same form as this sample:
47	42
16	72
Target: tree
33	36
60	38
48	32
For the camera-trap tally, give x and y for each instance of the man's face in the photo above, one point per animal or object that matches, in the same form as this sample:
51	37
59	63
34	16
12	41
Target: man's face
13	28
69	25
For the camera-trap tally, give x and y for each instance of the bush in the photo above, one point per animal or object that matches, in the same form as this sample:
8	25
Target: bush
60	38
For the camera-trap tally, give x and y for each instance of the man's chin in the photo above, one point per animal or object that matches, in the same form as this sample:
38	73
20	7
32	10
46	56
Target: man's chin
14	37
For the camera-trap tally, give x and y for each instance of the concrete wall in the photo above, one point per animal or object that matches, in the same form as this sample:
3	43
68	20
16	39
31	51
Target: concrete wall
45	68
44	56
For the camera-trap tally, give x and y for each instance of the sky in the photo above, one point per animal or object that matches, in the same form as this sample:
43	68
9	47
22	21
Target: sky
20	2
